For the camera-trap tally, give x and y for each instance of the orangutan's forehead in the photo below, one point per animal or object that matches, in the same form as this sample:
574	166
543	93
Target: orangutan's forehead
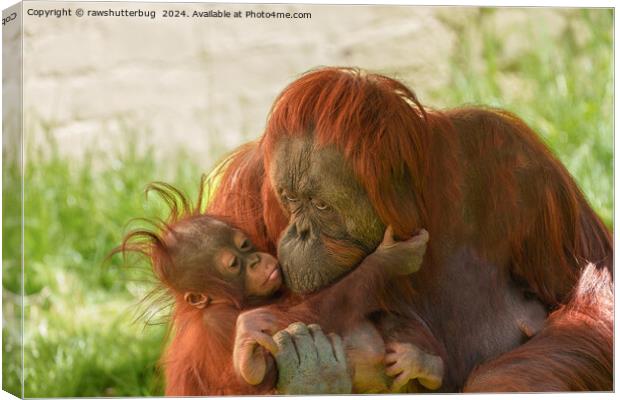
202	235
301	166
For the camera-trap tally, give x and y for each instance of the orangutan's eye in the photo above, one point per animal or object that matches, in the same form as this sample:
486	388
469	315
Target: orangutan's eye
290	197
320	205
233	264
245	245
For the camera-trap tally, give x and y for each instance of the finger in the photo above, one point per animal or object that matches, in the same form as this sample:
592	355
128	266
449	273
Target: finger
323	345
393	370
338	348
388	236
431	382
432	374
266	341
421	237
390	358
400	381
253	369
249	361
286	356
391	347
304	343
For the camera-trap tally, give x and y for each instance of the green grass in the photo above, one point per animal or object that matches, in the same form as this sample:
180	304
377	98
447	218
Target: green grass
79	335
561	86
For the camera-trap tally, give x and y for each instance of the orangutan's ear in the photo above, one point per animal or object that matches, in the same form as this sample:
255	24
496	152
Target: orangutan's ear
198	300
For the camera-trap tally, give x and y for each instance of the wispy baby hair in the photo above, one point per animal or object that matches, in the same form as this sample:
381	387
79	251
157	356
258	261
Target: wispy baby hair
159	241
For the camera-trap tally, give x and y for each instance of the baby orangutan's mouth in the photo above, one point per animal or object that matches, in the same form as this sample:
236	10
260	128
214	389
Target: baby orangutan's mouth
273	275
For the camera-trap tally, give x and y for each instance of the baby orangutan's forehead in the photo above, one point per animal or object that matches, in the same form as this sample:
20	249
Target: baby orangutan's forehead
199	238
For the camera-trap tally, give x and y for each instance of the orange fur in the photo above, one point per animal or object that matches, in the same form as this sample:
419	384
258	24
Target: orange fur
198	360
574	351
475	178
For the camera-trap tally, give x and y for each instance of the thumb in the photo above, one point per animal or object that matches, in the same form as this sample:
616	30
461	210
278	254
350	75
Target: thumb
420	238
388	236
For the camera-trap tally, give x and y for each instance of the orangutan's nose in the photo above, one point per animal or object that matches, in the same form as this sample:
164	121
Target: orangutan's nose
302	228
254	260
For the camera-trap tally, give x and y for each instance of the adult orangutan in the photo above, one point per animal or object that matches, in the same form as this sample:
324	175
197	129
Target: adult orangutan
346	153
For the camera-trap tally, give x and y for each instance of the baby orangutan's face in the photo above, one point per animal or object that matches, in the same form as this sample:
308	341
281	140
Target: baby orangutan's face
237	260
206	246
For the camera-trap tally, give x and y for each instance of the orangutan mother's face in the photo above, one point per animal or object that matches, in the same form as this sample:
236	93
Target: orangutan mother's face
332	224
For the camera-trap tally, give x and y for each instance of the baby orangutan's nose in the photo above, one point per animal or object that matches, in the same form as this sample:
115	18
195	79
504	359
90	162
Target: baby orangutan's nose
254	260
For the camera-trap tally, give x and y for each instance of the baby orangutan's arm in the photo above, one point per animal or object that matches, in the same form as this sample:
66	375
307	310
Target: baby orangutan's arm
358	292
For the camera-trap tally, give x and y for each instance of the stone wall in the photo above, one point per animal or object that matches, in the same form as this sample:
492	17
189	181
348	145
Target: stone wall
206	84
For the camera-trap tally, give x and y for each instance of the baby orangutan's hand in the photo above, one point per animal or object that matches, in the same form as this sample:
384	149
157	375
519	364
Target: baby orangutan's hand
253	343
406	362
404	257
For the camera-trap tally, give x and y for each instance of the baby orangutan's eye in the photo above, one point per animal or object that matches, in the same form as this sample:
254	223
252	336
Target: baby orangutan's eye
245	245
228	264
233	264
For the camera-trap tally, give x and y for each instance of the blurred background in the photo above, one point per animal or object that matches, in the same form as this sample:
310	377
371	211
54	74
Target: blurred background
113	103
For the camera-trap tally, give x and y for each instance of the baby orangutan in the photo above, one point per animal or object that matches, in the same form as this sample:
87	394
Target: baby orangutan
214	273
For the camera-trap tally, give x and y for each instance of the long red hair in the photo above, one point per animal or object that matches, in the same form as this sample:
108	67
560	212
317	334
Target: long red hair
382	130
477	179
412	163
